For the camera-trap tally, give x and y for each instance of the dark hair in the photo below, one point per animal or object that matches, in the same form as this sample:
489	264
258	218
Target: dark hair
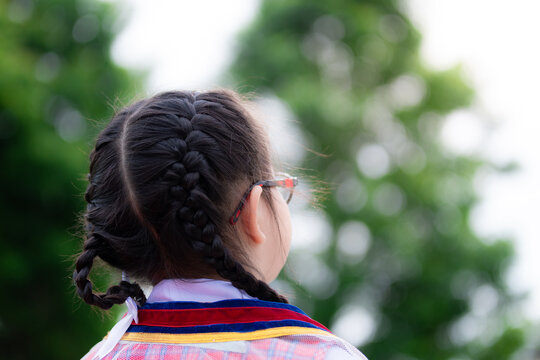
165	176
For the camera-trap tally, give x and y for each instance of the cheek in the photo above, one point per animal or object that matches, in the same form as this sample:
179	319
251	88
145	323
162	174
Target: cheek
286	228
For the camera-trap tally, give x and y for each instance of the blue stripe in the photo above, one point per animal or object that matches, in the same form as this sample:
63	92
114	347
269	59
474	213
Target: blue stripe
171	305
239	327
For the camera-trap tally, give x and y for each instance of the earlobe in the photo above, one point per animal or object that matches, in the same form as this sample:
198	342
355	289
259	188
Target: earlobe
250	215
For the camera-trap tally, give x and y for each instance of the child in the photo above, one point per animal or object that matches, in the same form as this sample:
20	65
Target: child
182	195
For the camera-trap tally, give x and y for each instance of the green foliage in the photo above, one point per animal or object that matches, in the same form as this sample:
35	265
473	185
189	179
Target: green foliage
56	80
350	72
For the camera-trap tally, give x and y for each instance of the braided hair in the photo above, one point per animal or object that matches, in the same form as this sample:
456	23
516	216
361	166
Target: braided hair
164	175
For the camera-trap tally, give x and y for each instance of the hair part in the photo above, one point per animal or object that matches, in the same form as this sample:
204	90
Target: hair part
164	176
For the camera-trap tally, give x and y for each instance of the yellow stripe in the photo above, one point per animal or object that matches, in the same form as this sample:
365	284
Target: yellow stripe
221	336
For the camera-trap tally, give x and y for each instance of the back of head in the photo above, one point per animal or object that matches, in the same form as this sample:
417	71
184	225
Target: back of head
164	177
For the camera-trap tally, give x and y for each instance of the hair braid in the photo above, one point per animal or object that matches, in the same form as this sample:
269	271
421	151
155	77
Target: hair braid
162	178
190	179
96	242
115	294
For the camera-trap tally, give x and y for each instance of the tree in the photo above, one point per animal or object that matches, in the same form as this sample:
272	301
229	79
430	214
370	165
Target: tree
56	79
403	253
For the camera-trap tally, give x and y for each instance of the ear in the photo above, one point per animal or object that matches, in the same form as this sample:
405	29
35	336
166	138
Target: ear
250	215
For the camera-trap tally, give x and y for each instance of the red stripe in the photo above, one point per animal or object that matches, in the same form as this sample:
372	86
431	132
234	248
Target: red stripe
195	317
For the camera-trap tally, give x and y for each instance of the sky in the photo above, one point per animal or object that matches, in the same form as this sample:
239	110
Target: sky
496	42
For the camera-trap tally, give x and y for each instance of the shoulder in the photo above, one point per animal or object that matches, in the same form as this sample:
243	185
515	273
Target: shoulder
318	346
336	348
341	353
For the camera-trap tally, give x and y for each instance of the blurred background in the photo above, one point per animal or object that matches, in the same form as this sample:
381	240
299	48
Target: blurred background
425	247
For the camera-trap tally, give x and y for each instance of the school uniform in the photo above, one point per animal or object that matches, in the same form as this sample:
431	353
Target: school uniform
211	319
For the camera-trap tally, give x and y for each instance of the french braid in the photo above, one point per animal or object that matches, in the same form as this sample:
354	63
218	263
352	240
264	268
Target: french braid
190	178
115	295
98	240
162	175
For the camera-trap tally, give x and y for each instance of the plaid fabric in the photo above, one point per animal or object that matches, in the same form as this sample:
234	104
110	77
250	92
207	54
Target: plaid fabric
287	347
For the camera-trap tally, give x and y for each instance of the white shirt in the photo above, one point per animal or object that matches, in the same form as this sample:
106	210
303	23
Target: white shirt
200	290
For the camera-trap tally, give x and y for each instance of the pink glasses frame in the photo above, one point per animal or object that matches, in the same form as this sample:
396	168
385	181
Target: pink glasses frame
288	182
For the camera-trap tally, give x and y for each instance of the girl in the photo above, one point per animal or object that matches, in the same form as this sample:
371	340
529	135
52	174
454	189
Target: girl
182	196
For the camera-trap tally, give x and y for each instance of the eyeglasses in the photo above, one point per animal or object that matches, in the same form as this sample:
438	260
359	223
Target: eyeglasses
285	184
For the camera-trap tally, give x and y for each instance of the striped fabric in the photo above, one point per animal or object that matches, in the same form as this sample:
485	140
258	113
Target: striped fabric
227	329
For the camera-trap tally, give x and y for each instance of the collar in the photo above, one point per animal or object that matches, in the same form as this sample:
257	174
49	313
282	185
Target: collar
203	311
170	291
199	290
